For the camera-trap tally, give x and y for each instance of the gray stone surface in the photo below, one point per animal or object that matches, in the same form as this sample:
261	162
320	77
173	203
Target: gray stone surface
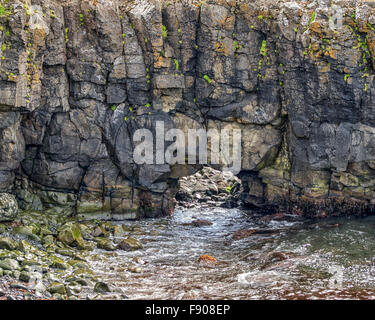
300	88
8	207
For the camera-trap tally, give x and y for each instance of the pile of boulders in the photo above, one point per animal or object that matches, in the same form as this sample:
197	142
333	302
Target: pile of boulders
48	256
209	187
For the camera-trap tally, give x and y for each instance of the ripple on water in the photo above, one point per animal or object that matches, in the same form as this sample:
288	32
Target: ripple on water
306	260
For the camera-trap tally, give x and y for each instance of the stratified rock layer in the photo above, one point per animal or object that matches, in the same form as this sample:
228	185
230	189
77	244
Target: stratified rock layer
79	77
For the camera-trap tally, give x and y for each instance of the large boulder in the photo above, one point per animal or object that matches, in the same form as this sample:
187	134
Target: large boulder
70	234
8	207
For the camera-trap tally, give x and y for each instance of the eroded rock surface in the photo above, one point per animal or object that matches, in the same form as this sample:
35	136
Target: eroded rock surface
8	207
79	77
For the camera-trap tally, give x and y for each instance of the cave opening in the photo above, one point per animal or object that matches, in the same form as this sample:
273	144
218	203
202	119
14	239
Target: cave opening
207	188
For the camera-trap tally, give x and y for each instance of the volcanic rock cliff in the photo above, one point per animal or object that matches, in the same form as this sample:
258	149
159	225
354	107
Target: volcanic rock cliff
78	77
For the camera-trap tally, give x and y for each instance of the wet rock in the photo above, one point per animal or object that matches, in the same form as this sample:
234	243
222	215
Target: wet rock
8	243
78	264
135	269
65	252
241	234
58	263
205	259
105	244
244	233
26	247
99	232
84	273
101	287
70	234
130	244
276	216
86	245
57	287
201	222
8	207
9	264
40	287
30	262
24	276
48	240
18	286
73	289
28	231
276	257
86	232
78	280
2	228
139	260
118	231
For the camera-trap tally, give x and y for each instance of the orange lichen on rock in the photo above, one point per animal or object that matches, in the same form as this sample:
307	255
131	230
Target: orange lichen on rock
207	259
316	27
331	53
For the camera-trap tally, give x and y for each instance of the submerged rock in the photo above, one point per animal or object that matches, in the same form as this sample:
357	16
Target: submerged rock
201	222
135	269
105	244
101	287
130	244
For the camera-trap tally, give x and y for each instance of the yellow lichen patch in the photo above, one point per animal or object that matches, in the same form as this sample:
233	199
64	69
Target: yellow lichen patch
330	53
318	54
161	62
245	8
316	27
221	48
12	78
227	23
39	36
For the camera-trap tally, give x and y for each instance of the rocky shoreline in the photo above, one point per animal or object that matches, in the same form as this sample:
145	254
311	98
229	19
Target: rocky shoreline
52	256
45	256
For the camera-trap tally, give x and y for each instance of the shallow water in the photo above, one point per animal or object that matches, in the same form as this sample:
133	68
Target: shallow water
326	259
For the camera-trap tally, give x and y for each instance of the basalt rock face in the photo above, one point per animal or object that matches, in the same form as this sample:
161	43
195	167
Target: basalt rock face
78	77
